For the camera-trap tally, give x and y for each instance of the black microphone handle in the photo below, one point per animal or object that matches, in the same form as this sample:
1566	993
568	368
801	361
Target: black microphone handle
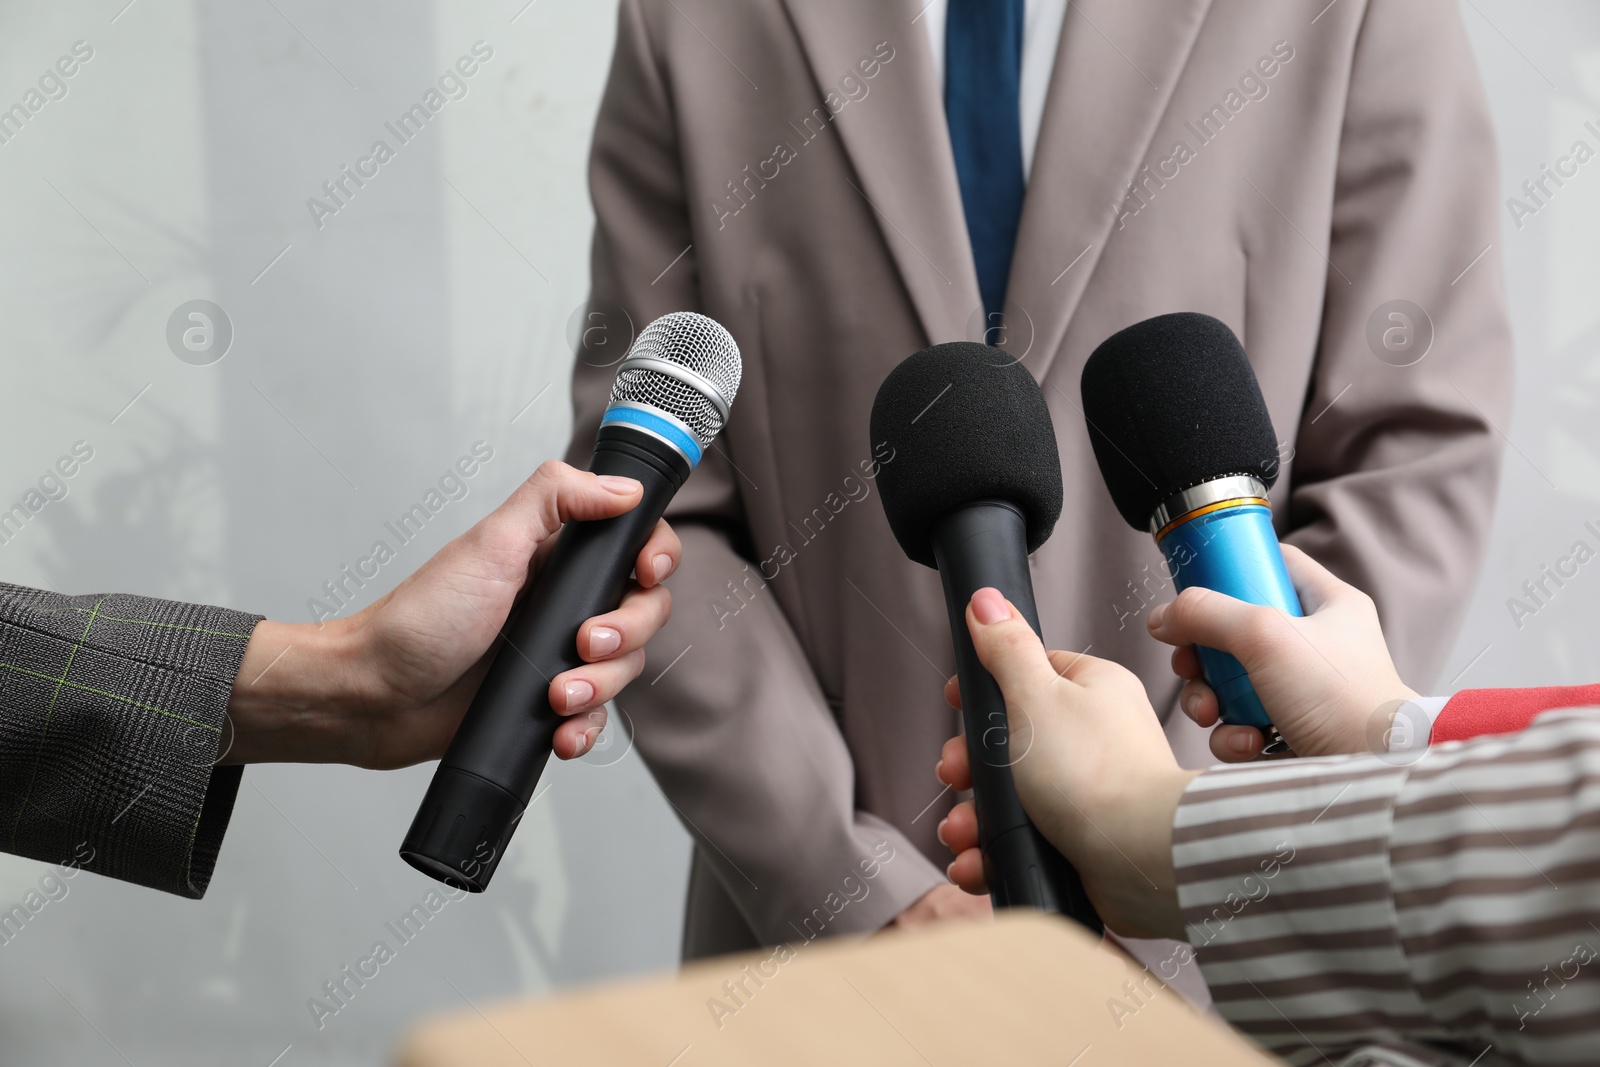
985	544
490	770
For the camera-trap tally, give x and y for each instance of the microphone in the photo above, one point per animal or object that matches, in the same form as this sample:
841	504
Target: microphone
1187	450
975	487
669	400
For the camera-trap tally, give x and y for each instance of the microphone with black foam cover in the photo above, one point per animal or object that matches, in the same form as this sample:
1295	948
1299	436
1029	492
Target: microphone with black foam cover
670	399
975	486
1186	447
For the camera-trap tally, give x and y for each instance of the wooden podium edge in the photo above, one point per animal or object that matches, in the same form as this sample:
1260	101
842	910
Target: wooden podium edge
1024	987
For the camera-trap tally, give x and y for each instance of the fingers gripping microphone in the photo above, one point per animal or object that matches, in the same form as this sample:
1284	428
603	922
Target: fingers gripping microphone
670	398
975	487
1186	447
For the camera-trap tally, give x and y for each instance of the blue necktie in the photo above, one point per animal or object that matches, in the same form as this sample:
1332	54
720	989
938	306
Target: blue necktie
983	69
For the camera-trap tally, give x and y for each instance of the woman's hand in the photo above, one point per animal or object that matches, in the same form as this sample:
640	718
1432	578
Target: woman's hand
388	686
1326	680
1097	776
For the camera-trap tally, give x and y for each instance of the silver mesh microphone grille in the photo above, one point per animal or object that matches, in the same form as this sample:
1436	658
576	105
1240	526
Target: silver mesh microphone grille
706	356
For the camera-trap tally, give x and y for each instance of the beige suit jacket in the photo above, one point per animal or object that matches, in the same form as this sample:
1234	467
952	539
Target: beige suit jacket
784	166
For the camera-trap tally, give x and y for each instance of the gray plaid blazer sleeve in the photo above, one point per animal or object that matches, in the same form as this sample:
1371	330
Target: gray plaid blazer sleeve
112	718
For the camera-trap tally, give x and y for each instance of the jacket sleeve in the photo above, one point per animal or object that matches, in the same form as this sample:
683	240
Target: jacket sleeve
1398	450
737	731
112	718
1445	904
1479	712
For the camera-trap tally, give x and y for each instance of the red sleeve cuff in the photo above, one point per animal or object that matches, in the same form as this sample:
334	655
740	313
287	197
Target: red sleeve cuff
1476	712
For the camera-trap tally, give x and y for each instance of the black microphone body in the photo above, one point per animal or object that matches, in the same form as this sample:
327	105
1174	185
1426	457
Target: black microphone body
985	544
670	398
493	765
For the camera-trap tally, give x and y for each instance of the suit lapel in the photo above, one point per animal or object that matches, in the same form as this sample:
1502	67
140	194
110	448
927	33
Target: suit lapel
1115	70
899	145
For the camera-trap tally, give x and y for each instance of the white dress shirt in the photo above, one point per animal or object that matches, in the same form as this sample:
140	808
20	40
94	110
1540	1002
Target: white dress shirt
1041	30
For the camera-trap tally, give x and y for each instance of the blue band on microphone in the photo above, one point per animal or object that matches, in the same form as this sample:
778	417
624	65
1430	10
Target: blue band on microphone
659	425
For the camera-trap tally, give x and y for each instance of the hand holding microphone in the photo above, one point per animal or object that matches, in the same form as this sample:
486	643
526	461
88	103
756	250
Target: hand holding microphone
1326	679
387	686
1099	780
670	399
975	487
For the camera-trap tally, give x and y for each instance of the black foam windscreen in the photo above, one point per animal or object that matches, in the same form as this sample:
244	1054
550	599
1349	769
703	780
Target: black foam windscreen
966	422
1172	402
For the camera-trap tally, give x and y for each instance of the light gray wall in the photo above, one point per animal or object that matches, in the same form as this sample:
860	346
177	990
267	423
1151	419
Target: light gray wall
1541	65
423	316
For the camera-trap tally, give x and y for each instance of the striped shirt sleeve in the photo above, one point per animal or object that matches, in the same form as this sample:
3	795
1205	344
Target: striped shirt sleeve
1445	902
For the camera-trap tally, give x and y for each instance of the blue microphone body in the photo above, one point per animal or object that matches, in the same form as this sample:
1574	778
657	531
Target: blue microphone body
1230	546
